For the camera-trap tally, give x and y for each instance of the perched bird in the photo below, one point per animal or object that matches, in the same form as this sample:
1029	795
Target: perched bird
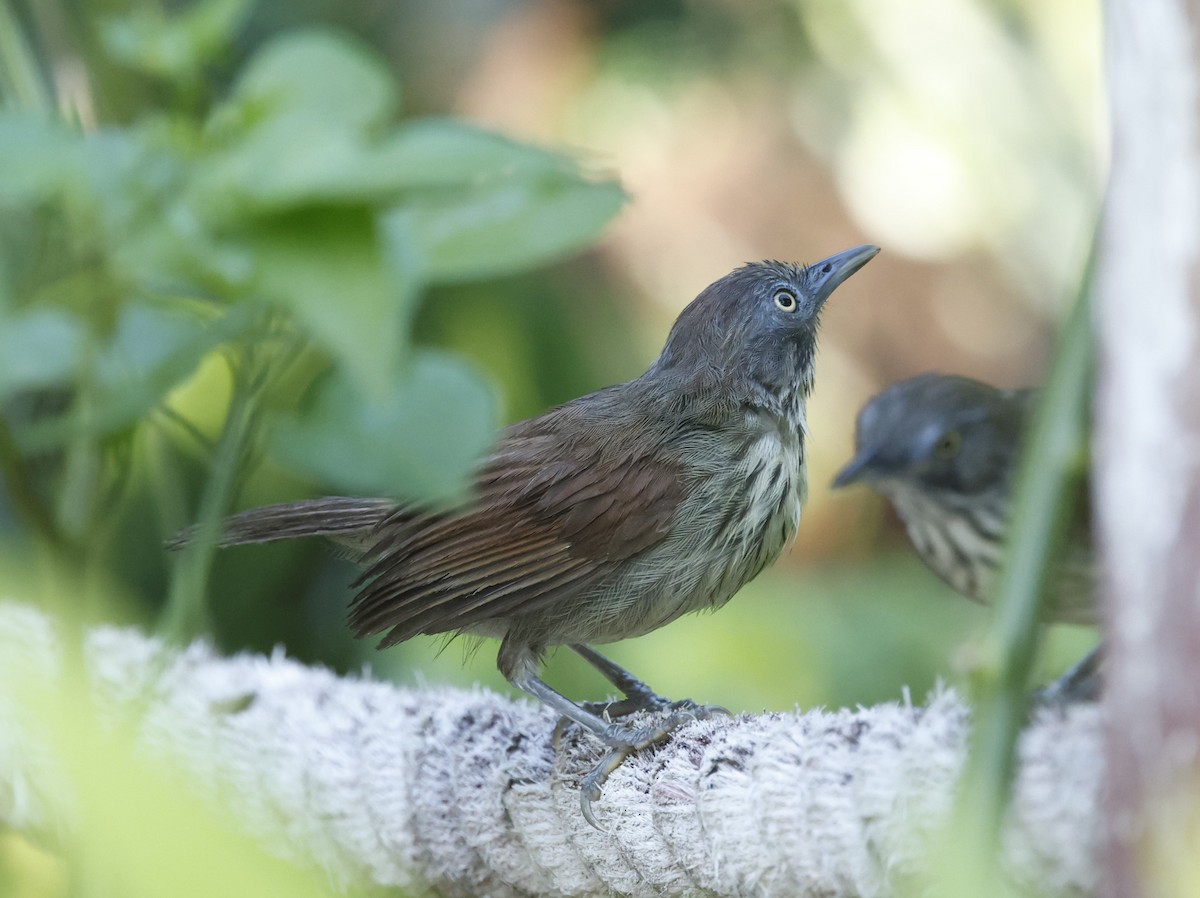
944	451
612	515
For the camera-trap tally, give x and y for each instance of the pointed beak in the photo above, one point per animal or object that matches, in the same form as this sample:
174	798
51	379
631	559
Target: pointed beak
858	469
830	273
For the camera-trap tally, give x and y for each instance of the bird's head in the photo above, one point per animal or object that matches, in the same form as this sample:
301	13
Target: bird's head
760	321
940	435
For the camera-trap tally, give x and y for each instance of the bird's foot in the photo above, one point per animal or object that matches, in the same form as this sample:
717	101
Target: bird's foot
608	711
649	702
1070	690
654	703
697	711
1080	684
623	741
623	707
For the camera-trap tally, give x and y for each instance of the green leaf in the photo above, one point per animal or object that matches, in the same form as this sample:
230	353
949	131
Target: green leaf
38	158
151	350
327	76
299	128
292	159
287	160
38	349
328	267
178	46
152	237
504	228
419	442
443	152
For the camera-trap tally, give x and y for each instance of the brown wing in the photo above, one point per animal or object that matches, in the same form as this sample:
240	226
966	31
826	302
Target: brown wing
553	515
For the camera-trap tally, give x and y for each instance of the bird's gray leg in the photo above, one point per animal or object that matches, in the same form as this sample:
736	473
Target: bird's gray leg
1081	683
638	696
622	741
519	662
547	695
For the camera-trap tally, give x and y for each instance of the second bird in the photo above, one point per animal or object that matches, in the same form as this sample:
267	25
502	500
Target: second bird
944	451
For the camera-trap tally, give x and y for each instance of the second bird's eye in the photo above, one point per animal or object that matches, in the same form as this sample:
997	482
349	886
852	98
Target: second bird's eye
785	300
948	444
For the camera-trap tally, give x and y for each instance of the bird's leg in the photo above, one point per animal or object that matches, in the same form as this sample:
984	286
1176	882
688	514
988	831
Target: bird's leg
622	741
638	696
1081	683
519	662
555	700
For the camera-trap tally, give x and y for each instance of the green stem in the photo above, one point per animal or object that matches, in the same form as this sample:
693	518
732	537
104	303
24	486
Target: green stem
197	436
19	483
1051	481
23	85
186	613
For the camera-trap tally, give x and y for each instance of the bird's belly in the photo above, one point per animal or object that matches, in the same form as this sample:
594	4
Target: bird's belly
966	550
762	515
720	542
953	546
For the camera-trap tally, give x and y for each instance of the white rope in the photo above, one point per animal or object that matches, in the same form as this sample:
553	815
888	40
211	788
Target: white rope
462	791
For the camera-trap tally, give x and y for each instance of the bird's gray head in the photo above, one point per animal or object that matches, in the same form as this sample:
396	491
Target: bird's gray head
759	321
942	435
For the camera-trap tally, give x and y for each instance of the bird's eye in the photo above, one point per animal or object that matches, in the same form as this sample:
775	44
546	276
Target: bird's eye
786	300
948	444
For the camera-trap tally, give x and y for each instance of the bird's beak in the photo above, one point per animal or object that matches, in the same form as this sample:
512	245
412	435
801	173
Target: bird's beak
856	470
831	272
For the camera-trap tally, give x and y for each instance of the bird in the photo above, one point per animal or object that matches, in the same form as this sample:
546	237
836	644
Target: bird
611	515
944	450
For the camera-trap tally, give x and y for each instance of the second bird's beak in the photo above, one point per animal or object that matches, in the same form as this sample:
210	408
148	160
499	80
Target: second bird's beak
856	470
830	273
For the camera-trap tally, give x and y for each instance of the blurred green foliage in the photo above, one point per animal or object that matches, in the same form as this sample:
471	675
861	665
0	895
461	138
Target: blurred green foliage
291	213
220	274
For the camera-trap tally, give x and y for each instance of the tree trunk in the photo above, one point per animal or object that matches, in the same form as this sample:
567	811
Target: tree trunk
1147	449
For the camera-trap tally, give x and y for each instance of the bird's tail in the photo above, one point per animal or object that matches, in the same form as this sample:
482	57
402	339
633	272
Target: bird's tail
347	521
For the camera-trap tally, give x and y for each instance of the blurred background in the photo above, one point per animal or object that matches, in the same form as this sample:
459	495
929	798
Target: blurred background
965	137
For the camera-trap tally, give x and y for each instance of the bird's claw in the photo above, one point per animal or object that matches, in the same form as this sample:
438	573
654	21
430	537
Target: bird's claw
650	702
623	741
697	711
590	787
633	703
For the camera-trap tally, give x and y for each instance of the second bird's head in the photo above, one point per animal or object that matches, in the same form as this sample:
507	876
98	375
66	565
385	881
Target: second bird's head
948	439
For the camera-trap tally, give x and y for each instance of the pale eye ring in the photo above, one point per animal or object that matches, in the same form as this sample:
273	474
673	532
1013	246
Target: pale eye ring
785	300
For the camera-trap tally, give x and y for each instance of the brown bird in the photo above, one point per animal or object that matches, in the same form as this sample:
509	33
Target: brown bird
611	515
